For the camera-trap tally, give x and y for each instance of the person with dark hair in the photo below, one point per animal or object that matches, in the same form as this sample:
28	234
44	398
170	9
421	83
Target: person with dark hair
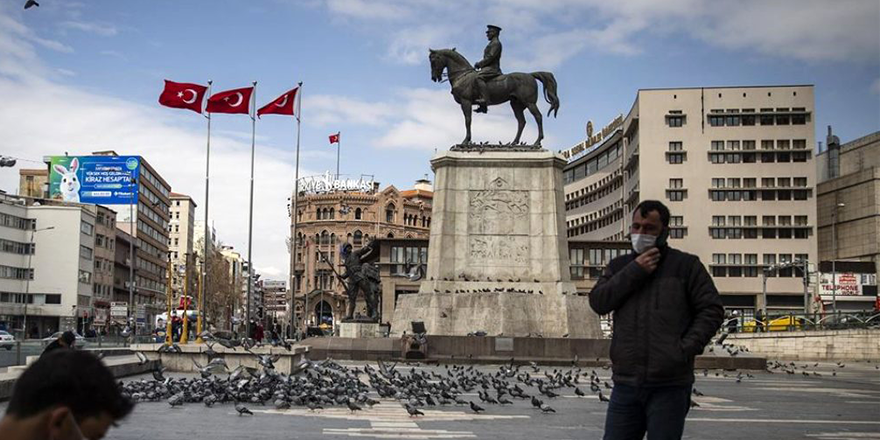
666	309
66	394
66	340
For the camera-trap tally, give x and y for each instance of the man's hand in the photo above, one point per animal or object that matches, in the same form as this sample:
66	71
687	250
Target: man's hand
649	259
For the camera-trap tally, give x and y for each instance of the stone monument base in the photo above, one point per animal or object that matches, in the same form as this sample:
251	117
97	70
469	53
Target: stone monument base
356	329
551	315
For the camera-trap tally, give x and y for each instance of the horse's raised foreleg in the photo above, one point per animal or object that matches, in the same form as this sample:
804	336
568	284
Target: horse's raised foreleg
533	108
467	111
518	109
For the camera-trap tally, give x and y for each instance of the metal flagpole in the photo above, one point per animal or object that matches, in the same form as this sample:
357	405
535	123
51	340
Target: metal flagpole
293	213
250	276
338	151
204	284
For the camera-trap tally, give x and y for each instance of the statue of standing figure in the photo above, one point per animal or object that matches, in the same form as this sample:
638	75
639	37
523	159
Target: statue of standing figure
362	277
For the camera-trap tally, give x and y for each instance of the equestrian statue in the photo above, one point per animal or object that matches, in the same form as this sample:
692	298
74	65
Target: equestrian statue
483	84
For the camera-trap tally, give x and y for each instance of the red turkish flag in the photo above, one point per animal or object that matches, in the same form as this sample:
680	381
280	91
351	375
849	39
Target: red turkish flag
231	101
283	105
183	95
334	138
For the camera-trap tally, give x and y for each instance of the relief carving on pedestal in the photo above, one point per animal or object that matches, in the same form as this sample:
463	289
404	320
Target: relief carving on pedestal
495	250
498	225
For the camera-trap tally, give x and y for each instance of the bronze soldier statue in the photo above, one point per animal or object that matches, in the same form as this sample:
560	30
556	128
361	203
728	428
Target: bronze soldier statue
489	67
361	277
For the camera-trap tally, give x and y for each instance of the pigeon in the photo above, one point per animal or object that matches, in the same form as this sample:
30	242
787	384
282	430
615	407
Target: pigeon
476	408
579	392
546	408
413	411
30	4
242	410
602	397
142	358
353	406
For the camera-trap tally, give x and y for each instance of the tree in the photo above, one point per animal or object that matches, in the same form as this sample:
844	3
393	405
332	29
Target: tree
221	290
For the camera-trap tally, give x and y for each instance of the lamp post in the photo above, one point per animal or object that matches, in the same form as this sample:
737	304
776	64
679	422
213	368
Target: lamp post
27	280
834	260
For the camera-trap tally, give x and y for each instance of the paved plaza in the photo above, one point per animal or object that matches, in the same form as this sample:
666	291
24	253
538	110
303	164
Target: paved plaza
760	406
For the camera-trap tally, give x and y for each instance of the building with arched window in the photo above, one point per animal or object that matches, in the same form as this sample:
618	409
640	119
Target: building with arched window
328	220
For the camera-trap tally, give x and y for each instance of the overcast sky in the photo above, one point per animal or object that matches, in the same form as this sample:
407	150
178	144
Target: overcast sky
81	77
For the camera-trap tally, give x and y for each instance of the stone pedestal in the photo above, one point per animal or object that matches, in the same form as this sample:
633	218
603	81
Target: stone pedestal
498	256
360	330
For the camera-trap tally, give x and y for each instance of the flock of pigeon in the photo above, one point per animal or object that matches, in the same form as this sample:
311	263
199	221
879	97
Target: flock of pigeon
317	385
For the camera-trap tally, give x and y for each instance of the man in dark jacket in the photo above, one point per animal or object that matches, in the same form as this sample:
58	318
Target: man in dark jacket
666	309
66	340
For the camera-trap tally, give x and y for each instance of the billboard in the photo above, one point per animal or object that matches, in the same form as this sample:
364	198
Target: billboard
103	180
848	284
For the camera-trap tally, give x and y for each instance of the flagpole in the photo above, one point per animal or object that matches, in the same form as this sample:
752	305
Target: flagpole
250	277
293	214
204	284
338	151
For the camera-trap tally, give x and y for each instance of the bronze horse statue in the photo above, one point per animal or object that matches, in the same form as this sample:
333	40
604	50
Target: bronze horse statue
518	88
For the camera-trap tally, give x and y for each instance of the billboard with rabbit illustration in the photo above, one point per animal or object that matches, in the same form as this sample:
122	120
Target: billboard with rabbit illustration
104	180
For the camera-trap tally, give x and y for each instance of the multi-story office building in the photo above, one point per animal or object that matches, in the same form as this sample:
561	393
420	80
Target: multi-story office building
328	218
736	167
105	261
181	229
849	222
46	266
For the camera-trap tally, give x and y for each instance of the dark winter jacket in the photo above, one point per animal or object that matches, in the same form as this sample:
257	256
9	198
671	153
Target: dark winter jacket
661	320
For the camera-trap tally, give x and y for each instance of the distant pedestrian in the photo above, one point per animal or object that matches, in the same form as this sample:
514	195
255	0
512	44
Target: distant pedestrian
759	320
666	309
67	340
66	394
733	322
258	333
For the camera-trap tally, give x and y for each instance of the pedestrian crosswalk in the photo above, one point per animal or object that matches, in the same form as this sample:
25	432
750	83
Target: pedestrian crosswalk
389	419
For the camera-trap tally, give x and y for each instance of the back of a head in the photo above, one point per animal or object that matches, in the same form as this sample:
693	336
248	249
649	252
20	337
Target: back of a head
71	378
68	337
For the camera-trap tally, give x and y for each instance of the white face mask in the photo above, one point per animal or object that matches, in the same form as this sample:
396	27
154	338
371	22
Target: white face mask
642	242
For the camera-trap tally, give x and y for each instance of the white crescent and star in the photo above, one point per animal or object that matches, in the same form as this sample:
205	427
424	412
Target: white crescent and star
237	103
283	103
191	100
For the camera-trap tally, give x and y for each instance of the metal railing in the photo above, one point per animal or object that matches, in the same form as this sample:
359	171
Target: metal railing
803	322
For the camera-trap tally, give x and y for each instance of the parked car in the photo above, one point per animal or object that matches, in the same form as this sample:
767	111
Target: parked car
80	341
7	341
780	324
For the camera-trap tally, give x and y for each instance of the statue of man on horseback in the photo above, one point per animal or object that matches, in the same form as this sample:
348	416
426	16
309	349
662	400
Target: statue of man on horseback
489	86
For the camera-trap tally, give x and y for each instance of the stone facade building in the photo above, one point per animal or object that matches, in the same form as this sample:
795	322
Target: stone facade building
327	220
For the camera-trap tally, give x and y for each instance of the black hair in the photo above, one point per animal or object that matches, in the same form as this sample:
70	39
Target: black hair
646	206
68	337
72	378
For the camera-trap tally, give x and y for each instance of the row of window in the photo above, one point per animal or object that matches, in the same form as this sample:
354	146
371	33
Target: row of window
751	182
405	255
12	221
744	157
103	265
150	214
414	220
105	242
746	265
734	195
734	233
156	183
16	273
603	219
749	145
752	220
33	298
593	196
15	247
152	250
592	166
767	116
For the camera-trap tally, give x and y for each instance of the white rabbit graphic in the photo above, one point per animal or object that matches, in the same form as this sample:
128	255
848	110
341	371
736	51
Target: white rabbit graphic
69	185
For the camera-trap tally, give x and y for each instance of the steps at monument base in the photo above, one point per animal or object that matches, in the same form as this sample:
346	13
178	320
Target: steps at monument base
499	350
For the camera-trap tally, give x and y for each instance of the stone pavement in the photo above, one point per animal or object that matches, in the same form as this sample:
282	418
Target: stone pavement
765	406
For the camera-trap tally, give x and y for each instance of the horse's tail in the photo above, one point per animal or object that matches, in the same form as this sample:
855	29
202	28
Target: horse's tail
549	82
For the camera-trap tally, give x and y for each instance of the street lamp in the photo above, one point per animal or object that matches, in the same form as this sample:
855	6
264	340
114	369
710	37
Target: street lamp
834	260
27	282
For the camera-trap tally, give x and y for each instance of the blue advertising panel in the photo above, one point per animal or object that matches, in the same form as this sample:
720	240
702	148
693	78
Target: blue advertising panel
104	180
